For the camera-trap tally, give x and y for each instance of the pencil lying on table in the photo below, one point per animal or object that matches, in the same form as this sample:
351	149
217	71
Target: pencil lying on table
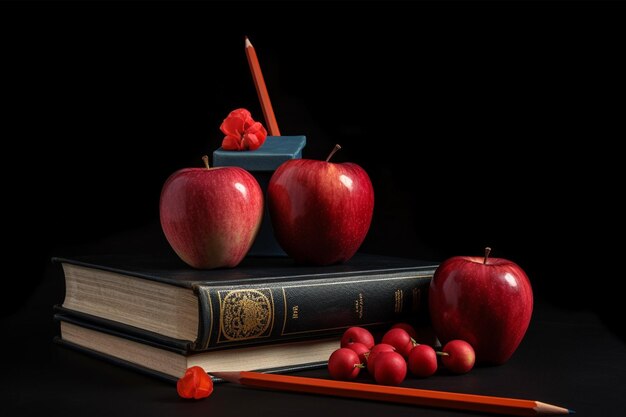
413	396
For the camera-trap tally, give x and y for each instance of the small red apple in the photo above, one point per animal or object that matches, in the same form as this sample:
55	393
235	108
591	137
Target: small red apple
390	368
399	339
458	356
210	216
422	361
320	211
486	301
374	352
360	349
344	364
357	334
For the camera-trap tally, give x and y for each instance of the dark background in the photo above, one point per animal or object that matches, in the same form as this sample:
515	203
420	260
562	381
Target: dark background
479	124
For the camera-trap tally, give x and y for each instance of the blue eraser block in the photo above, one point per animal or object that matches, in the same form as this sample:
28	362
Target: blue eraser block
274	151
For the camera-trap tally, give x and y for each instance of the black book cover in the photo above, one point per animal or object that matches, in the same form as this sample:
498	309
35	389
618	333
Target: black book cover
269	299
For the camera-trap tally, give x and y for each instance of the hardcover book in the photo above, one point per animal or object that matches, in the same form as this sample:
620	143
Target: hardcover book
167	360
262	301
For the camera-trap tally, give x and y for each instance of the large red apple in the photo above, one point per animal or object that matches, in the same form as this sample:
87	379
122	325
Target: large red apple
210	216
320	211
485	301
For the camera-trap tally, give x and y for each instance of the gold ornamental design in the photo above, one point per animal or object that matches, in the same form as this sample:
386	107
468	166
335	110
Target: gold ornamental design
246	314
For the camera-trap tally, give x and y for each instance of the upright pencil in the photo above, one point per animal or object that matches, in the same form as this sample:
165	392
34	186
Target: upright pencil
261	89
413	396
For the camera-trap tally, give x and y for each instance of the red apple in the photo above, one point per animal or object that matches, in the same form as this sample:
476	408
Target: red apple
357	334
320	211
210	216
484	301
390	368
374	352
360	349
344	364
422	361
458	356
399	339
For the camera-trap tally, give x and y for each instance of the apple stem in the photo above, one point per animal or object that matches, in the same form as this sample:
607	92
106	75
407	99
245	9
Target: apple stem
487	252
442	353
335	149
359	365
205	159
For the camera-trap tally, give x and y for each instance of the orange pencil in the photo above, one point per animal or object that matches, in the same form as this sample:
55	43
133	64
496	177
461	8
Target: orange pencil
261	89
413	396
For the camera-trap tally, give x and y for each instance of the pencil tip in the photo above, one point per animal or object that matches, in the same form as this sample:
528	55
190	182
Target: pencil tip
248	43
571	411
227	376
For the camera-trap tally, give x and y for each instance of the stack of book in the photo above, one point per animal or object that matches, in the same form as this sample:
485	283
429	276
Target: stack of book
268	314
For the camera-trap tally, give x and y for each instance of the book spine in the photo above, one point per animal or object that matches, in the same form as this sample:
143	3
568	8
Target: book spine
253	314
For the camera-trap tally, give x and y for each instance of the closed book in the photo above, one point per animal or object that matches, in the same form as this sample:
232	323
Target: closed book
169	361
263	300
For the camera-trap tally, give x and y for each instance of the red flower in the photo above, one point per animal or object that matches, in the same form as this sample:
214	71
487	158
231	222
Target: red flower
195	384
242	132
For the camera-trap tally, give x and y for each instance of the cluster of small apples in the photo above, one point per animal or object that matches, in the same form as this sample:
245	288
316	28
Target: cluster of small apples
398	352
211	216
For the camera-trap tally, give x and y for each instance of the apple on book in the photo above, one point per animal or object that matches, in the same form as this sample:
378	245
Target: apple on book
320	211
211	216
486	301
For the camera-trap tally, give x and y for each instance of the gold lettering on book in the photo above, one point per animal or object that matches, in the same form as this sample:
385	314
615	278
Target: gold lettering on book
358	306
245	314
294	312
399	301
